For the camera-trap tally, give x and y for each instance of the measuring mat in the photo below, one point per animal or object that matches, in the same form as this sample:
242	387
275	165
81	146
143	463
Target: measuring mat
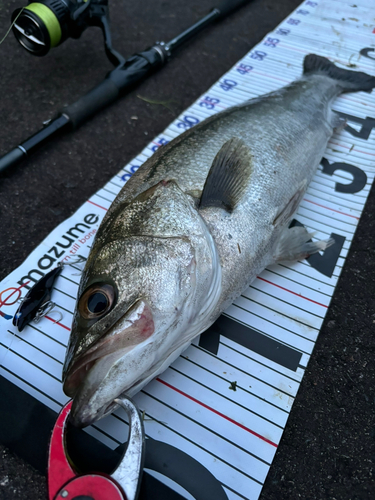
219	411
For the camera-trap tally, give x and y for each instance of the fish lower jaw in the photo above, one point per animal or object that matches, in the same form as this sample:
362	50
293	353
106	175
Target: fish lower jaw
85	385
73	381
94	398
91	362
88	386
95	384
134	328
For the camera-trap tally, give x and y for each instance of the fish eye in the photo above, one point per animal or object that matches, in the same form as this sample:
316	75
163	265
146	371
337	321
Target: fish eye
96	300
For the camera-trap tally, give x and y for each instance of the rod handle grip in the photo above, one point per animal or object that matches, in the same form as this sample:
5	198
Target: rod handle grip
98	98
119	81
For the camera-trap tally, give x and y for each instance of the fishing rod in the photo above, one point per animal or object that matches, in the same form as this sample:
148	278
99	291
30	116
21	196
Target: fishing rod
48	23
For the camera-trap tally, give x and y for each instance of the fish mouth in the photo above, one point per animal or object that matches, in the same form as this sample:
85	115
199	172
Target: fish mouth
102	352
87	380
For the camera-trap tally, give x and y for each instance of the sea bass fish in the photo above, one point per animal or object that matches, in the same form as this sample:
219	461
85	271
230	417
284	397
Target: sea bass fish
192	229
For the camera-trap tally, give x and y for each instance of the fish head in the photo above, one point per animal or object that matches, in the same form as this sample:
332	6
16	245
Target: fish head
140	296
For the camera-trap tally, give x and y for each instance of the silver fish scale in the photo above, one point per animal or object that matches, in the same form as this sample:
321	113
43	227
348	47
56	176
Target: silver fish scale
286	132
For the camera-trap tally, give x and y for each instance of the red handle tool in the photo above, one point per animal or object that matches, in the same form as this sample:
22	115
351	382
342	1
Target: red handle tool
123	484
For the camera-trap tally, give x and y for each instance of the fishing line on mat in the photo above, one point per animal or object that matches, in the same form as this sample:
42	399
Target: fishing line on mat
8	348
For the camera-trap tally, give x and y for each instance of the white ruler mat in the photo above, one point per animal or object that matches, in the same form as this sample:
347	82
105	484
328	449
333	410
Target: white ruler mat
262	344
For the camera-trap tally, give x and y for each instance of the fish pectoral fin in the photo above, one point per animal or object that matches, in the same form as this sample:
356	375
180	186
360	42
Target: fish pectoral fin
285	213
295	243
228	177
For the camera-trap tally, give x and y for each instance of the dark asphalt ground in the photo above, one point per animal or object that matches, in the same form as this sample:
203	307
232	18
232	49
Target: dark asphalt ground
328	448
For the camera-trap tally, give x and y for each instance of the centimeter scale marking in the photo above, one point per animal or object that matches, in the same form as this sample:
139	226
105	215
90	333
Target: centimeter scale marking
261	345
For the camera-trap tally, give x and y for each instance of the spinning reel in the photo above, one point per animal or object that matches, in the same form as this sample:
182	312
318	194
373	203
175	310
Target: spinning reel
46	24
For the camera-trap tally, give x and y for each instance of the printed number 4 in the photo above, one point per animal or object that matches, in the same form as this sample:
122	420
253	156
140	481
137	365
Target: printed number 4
367	124
228	84
243	69
325	263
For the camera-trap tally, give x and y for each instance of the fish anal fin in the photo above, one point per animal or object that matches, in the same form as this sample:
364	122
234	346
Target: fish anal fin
285	213
337	122
295	244
228	177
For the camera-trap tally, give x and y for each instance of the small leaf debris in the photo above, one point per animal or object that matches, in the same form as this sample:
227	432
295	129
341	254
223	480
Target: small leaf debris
167	104
233	386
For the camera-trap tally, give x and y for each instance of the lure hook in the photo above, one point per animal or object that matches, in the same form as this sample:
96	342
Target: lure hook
45	309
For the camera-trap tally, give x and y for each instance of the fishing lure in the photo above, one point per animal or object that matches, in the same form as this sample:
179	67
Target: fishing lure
37	302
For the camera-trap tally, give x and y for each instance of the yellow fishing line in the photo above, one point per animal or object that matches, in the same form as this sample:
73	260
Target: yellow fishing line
11	26
50	20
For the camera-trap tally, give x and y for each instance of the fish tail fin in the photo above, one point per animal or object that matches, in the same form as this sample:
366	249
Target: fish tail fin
349	81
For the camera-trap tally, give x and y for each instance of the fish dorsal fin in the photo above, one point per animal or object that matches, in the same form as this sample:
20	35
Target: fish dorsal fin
228	177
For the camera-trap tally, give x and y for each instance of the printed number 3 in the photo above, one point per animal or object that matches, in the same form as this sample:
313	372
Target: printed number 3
188	122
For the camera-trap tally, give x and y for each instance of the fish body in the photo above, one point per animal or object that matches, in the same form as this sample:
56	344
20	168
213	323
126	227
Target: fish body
191	230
